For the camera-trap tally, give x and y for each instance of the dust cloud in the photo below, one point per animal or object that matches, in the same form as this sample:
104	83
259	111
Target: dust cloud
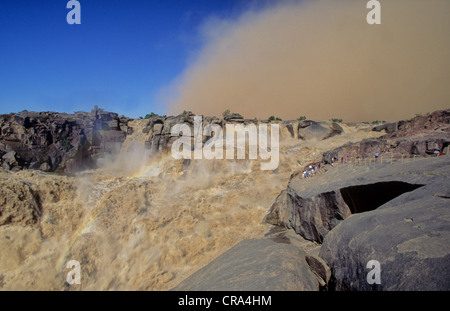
323	60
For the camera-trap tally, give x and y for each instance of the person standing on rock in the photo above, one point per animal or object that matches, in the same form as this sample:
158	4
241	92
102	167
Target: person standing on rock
376	155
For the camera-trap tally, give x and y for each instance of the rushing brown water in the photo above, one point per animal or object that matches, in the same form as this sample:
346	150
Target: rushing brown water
139	222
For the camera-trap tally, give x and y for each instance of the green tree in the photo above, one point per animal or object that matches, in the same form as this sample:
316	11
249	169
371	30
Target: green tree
151	114
273	118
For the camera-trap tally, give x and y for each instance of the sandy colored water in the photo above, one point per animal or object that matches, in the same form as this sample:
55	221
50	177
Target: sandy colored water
140	222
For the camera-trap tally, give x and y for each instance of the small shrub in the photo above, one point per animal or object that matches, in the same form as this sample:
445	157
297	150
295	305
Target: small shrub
151	114
226	113
186	115
336	120
273	118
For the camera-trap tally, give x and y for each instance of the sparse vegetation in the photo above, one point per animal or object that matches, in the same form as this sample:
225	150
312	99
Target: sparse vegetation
301	118
151	114
273	118
336	120
226	113
378	121
186	115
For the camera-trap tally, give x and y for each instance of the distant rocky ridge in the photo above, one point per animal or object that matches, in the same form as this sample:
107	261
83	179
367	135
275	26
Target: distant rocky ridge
61	142
421	136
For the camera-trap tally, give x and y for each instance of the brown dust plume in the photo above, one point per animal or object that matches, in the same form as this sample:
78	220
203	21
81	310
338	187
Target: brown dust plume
323	60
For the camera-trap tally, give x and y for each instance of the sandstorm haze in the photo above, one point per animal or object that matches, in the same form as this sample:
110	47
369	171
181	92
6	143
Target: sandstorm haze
321	59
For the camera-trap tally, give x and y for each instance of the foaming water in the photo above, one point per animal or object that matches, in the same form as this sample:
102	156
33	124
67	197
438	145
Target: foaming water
143	221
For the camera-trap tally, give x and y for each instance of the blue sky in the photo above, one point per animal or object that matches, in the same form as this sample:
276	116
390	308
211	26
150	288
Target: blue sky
119	58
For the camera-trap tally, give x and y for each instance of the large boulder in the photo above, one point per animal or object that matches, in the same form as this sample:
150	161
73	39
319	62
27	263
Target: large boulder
312	130
409	237
312	217
266	264
397	214
314	206
387	127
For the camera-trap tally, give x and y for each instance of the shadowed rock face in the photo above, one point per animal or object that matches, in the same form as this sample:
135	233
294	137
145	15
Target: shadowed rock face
311	218
397	214
408	237
53	141
308	129
366	198
314	217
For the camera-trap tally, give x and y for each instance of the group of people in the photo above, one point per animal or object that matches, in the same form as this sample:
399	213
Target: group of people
438	153
311	170
336	160
346	159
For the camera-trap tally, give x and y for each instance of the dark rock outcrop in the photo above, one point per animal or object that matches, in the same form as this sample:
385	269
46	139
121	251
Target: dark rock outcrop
421	135
159	129
62	142
409	236
397	214
160	138
53	141
313	217
387	127
264	264
319	267
313	207
308	129
234	117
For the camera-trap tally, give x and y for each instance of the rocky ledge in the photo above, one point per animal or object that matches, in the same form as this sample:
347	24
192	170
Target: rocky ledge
61	142
397	214
52	141
420	136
